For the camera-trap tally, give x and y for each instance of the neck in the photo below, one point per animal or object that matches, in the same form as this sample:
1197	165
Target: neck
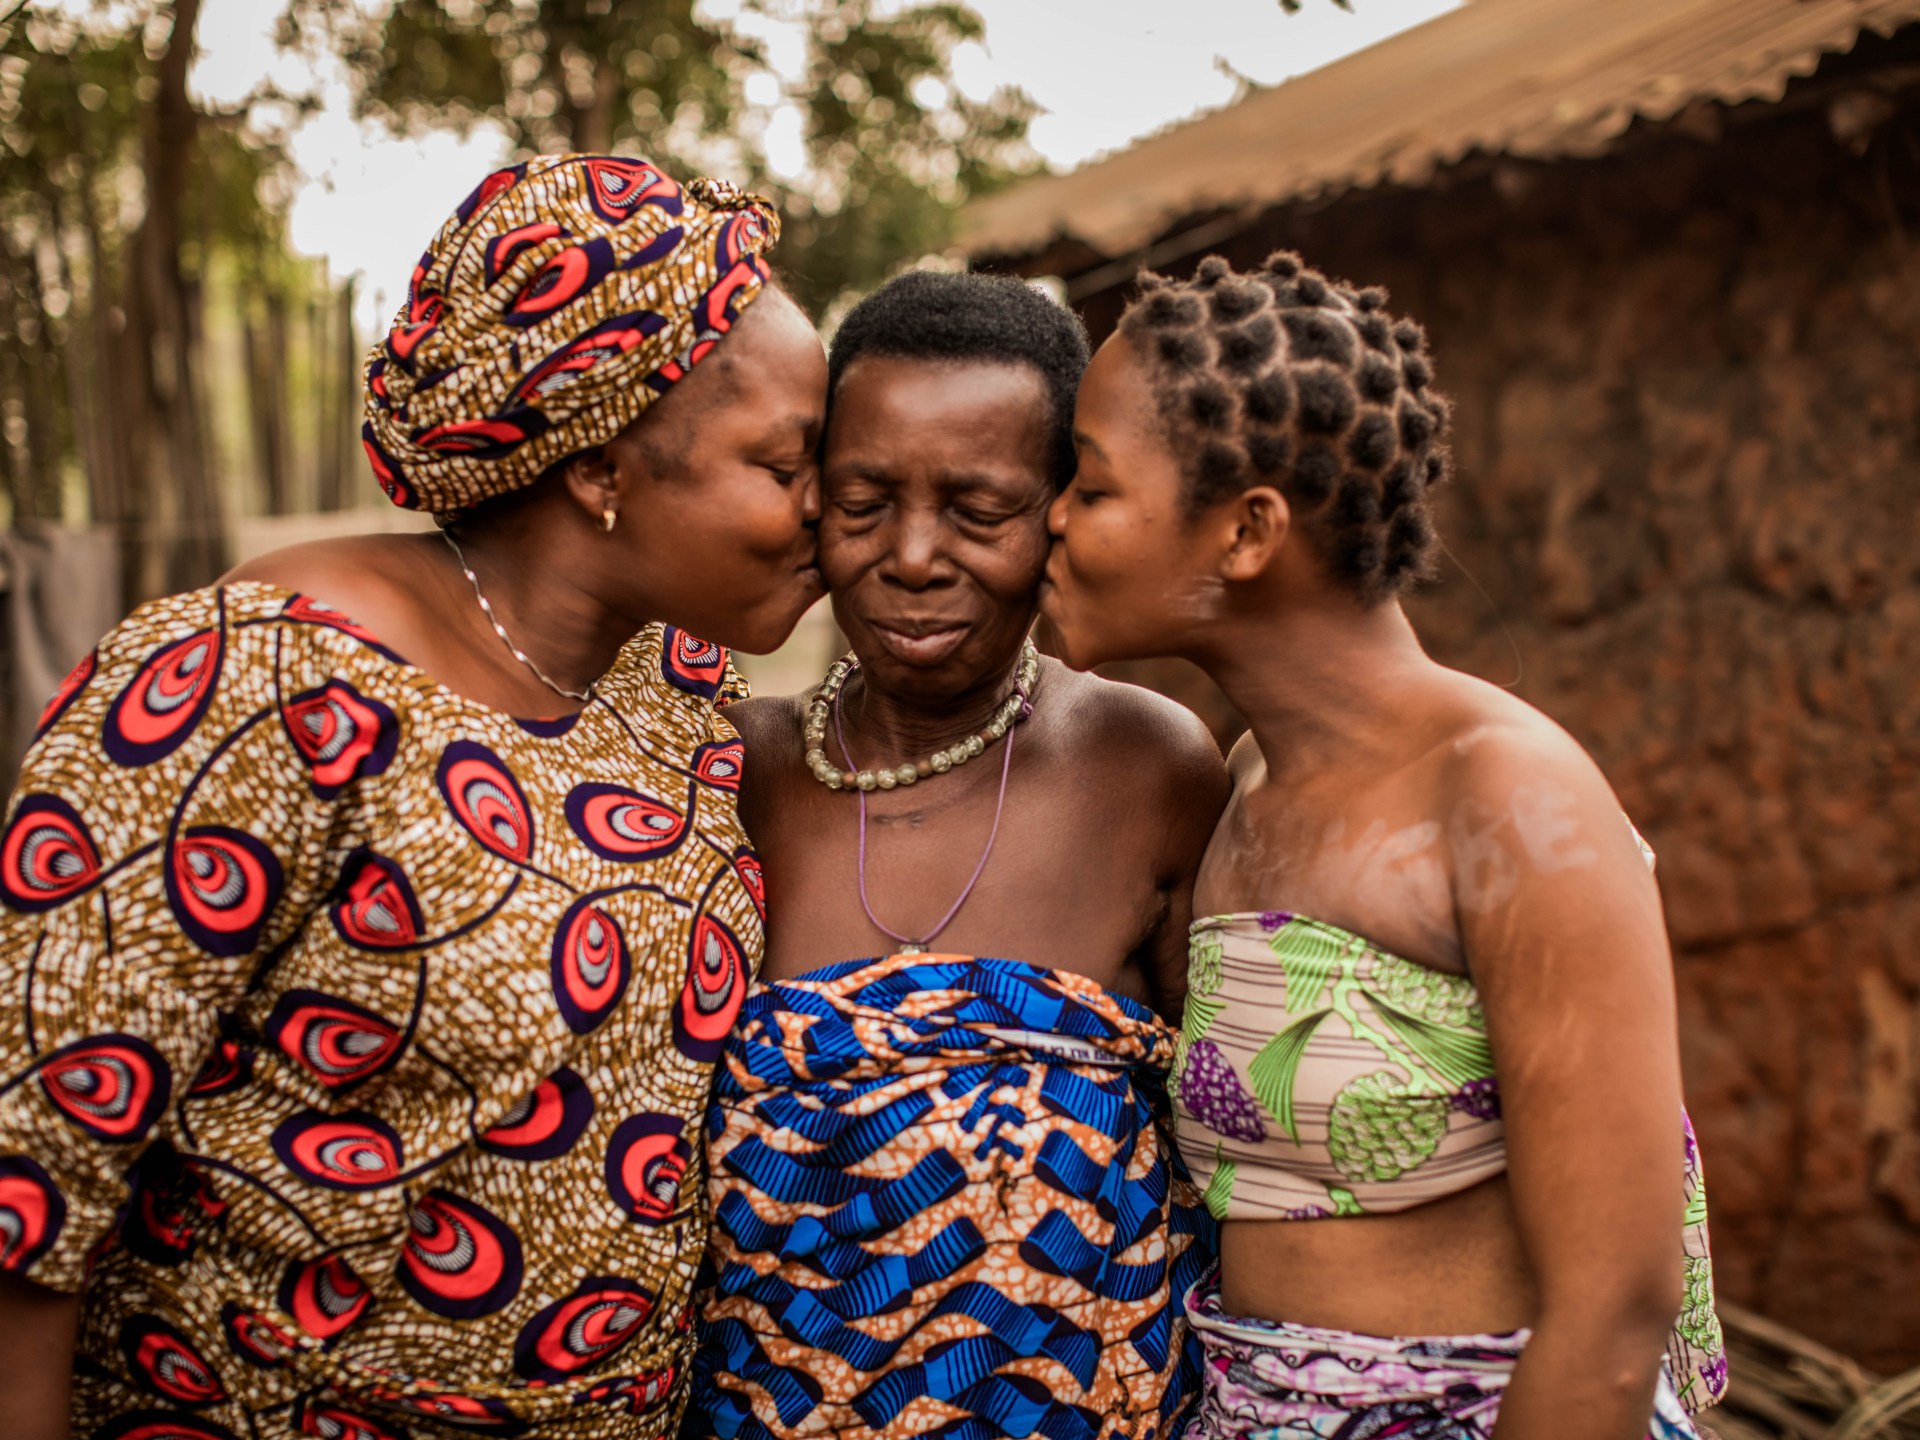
887	729
1317	681
563	626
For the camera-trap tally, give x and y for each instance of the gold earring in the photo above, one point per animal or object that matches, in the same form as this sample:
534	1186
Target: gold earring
606	519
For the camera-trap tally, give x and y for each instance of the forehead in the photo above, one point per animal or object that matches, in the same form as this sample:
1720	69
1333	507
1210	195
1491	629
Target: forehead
771	365
884	397
1117	400
1116	376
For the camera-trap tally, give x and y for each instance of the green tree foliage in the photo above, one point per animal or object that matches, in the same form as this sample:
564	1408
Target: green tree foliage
895	148
892	146
134	219
557	75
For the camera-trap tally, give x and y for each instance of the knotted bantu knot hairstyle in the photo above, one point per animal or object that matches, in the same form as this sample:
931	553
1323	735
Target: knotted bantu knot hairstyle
562	298
1285	377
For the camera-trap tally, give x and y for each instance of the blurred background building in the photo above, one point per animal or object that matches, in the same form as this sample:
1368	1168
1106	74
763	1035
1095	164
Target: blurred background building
1668	251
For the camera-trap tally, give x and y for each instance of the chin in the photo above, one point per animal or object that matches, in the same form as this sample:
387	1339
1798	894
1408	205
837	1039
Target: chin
1080	648
1065	642
758	636
767	627
1063	649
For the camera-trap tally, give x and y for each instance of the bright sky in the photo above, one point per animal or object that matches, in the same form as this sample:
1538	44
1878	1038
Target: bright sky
1104	71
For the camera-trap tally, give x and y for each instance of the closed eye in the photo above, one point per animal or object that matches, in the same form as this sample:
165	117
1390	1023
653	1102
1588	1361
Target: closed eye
788	472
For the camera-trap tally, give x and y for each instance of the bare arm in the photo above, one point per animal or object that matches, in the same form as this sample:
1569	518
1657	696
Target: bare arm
1563	932
769	727
1194	793
37	1331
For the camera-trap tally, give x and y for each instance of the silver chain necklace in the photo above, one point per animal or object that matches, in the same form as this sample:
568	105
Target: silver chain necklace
583	696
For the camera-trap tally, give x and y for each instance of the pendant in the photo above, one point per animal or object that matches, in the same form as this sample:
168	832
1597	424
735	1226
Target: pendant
911	948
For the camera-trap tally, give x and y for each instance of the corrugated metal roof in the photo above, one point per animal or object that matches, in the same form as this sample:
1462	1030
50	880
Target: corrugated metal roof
1535	78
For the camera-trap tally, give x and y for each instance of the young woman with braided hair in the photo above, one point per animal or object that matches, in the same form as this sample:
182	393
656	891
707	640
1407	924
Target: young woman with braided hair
1428	1072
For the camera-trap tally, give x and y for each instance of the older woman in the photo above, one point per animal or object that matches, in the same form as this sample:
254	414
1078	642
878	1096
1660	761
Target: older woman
1429	1073
945	1201
374	917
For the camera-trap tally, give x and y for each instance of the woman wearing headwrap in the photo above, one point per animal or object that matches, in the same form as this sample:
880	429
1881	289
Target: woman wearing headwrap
373	919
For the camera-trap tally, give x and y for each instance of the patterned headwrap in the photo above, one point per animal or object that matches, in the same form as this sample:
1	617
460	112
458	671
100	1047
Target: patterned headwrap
561	299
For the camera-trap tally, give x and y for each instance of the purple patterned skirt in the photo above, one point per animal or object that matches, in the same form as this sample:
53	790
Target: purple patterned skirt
1267	1380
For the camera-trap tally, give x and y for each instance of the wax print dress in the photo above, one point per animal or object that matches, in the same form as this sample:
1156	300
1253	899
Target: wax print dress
355	1037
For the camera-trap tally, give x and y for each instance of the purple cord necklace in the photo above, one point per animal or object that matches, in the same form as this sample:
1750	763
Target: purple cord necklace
911	945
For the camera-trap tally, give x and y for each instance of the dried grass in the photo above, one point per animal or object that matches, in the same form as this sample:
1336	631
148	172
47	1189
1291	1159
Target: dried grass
1785	1386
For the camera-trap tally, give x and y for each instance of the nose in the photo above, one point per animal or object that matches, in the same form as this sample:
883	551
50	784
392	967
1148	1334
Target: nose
1057	516
810	496
914	561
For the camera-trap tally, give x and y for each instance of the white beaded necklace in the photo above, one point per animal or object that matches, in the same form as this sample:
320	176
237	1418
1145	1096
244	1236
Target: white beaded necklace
583	696
1012	711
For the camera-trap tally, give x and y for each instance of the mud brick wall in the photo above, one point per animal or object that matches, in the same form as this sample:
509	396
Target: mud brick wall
1688	384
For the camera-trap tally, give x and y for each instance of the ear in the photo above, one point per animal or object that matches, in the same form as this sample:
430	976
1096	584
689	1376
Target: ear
1255	524
592	479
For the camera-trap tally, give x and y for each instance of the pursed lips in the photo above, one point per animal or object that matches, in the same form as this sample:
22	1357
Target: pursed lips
917	629
924	640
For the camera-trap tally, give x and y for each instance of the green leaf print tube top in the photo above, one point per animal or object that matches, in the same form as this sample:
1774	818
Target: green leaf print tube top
1319	1076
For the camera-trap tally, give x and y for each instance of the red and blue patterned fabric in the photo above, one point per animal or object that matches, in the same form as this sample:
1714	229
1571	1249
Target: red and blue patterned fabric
356	1037
946	1202
560	299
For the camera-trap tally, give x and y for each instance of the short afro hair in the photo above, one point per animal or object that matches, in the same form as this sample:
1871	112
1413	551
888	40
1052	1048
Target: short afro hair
995	319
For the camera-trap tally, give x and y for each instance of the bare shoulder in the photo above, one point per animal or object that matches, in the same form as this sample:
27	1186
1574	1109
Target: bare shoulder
374	580
1495	740
767	723
1130	726
1508	772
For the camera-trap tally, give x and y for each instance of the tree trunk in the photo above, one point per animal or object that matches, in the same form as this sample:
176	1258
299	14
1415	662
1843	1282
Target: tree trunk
342	371
13	459
81	360
179	536
263	409
39	496
329	394
15	363
315	355
589	123
106	322
596	130
268	358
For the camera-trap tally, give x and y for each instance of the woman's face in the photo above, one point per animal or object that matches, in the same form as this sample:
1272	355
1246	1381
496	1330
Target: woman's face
933	532
1129	575
725	485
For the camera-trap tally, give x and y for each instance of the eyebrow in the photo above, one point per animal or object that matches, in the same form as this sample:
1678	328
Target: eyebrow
1080	437
856	470
801	421
949	480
